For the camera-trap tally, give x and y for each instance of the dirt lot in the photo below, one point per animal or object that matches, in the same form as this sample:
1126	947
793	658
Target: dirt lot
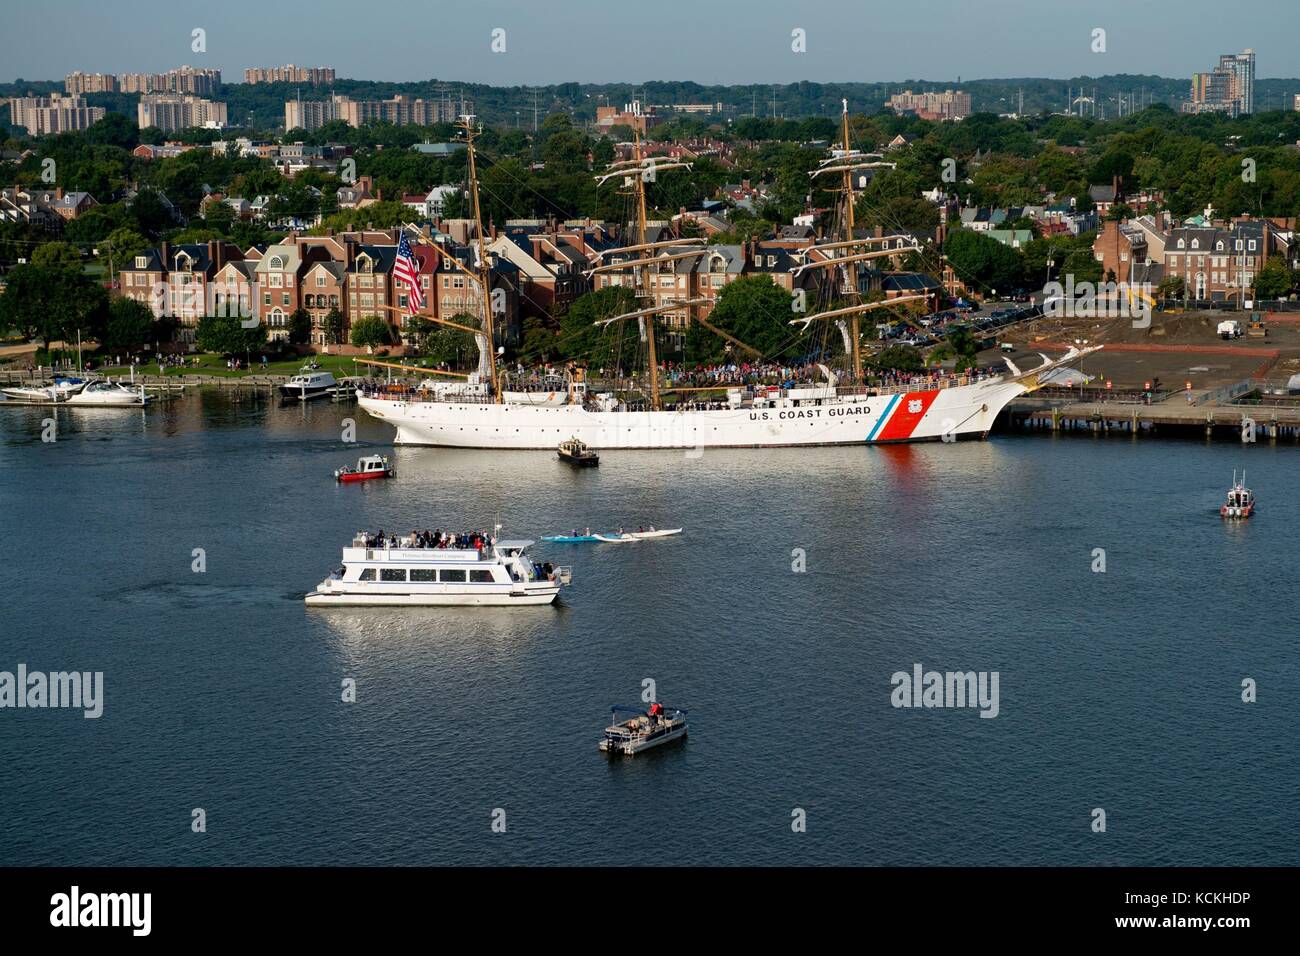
1177	348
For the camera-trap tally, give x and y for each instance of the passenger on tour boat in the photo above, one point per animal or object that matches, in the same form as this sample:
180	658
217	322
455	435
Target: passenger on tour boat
476	540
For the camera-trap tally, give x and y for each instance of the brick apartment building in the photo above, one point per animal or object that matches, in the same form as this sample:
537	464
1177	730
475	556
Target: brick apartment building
1217	261
351	272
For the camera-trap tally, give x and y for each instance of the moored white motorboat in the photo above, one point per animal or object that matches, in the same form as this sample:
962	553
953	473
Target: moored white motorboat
77	393
32	394
109	395
499	573
308	384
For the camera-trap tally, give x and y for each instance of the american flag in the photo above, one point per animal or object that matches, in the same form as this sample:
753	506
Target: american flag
406	270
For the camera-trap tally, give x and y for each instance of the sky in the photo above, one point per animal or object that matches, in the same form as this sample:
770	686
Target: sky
708	41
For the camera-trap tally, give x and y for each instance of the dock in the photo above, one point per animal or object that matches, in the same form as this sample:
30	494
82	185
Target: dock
1230	413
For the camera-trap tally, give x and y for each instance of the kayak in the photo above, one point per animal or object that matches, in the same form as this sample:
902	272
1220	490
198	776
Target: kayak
639	535
569	538
614	538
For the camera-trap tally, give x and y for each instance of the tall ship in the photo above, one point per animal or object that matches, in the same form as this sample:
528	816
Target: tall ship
482	411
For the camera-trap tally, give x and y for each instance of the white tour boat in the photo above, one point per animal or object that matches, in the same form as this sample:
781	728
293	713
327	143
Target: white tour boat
307	385
501	574
632	730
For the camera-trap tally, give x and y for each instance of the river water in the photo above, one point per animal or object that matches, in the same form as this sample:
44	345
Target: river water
1118	691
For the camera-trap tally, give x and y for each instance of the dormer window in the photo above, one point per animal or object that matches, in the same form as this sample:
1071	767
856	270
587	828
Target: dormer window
277	262
1196	243
1219	246
142	262
1182	243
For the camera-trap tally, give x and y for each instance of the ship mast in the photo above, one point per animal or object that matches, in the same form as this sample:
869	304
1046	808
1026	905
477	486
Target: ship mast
855	332
651	357
484	275
635	173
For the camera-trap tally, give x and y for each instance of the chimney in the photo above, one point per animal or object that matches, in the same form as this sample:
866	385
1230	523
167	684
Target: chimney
349	252
165	251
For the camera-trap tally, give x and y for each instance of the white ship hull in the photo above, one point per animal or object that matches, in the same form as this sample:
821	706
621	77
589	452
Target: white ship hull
922	415
432	599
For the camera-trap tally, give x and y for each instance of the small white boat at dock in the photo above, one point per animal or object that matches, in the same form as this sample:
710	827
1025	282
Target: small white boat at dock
308	384
93	394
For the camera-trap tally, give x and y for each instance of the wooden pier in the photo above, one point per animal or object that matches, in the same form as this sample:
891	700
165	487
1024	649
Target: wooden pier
1174	415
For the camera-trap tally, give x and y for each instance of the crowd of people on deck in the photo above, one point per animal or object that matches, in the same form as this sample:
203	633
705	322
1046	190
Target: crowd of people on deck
675	374
732	374
465	540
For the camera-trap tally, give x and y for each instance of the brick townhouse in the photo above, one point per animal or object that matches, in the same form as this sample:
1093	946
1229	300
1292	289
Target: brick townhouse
1217	261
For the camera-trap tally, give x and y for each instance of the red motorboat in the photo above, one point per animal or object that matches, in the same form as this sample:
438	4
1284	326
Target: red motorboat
373	466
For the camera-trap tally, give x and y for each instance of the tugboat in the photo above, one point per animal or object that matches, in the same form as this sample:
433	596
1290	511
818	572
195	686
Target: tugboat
372	466
577	453
630	735
1241	500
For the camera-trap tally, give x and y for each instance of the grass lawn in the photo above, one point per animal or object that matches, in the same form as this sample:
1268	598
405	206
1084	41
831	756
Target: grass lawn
340	365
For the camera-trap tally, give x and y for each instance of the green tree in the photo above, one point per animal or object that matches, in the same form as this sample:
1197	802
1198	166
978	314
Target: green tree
52	303
371	331
606	346
1171	287
1274	280
224	335
983	262
451	346
54	255
130	325
753	309
125	244
333	326
299	327
901	358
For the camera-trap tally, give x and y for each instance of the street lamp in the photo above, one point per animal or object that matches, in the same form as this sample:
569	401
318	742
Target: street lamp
1081	343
